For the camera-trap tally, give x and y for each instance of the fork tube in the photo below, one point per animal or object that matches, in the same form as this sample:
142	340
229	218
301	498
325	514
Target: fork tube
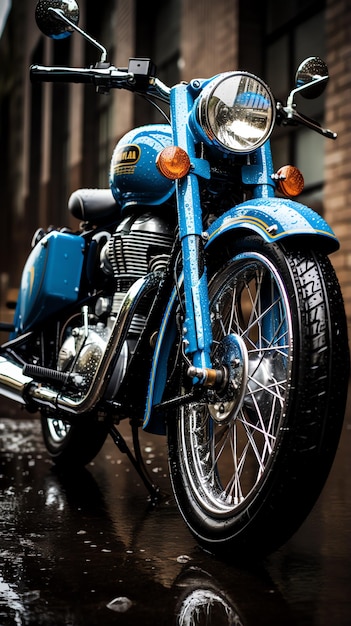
197	332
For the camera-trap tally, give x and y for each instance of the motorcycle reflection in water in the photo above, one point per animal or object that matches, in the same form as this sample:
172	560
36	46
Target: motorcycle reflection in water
72	555
203	602
196	300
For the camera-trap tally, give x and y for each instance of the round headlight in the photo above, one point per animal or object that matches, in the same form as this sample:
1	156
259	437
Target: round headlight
236	111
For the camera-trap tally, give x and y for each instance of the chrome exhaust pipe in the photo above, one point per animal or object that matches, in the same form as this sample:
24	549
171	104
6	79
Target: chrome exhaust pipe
13	383
17	386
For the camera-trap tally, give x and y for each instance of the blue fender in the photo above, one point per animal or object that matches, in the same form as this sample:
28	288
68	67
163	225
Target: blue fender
158	372
271	218
274	219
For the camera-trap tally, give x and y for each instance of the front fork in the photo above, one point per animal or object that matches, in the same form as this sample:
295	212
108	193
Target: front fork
197	331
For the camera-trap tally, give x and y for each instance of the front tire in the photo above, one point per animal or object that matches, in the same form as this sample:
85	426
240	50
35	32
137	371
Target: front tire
246	472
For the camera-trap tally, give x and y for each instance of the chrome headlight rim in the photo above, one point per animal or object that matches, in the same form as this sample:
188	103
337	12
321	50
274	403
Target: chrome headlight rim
203	116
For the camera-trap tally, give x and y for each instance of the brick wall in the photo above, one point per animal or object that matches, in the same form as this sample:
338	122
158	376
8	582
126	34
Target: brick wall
338	153
209	37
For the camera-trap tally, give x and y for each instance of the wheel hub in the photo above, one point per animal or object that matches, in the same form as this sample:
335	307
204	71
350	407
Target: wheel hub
233	356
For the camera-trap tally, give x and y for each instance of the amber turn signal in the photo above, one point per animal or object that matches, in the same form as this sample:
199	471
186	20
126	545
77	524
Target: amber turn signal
173	162
290	181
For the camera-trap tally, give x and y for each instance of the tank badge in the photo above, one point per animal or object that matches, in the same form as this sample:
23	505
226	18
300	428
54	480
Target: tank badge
31	279
125	159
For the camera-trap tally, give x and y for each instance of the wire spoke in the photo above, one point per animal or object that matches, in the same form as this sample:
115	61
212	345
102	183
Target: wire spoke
227	459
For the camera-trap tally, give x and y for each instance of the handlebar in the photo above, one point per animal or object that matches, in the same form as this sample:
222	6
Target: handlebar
108	75
290	116
313	125
105	77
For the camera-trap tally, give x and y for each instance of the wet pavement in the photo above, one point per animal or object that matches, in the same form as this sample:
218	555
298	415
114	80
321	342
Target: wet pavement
90	550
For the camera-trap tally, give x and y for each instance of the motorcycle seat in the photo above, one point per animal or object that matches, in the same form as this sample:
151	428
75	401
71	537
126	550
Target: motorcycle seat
93	205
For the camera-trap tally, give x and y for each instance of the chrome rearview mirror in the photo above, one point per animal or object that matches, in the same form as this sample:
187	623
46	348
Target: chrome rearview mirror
57	18
310	80
311	77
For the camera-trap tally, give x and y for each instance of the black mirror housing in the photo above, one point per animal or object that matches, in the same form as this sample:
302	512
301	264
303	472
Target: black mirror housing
310	72
47	16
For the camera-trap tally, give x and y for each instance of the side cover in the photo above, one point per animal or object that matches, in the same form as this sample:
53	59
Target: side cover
50	279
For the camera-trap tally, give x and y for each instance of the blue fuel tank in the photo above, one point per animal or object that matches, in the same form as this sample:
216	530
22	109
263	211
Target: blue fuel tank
134	177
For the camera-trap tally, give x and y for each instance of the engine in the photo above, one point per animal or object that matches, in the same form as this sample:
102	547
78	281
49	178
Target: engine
140	245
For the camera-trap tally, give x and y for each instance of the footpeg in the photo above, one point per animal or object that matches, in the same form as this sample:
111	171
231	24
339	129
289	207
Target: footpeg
39	373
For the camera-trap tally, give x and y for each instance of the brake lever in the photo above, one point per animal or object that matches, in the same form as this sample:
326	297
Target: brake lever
290	116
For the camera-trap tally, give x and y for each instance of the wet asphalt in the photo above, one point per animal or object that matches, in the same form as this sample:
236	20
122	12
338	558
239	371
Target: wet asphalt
90	549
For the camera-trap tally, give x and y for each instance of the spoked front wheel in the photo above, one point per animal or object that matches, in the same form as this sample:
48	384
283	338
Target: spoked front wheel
247	466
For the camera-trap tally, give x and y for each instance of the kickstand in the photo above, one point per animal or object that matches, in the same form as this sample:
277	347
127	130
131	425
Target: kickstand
137	460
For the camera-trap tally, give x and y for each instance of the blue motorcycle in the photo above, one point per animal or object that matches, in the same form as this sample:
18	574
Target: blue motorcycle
196	299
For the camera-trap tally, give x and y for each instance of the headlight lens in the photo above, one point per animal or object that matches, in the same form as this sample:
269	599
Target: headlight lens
237	112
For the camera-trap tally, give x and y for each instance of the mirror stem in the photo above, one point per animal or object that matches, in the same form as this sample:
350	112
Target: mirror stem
58	14
290	100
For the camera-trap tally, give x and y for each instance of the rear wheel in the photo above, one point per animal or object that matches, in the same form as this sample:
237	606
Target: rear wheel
73	445
76	443
247	467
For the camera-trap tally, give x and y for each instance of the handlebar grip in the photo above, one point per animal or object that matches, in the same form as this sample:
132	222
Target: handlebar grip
104	76
41	73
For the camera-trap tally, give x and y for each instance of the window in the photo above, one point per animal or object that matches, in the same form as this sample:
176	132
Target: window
98	108
157	37
35	140
59	179
104	139
295	31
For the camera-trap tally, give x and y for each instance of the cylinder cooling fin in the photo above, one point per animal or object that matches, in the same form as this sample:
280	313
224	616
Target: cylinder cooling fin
141	244
134	248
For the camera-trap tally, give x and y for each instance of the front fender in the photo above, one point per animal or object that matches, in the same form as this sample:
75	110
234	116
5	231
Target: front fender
274	219
271	218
